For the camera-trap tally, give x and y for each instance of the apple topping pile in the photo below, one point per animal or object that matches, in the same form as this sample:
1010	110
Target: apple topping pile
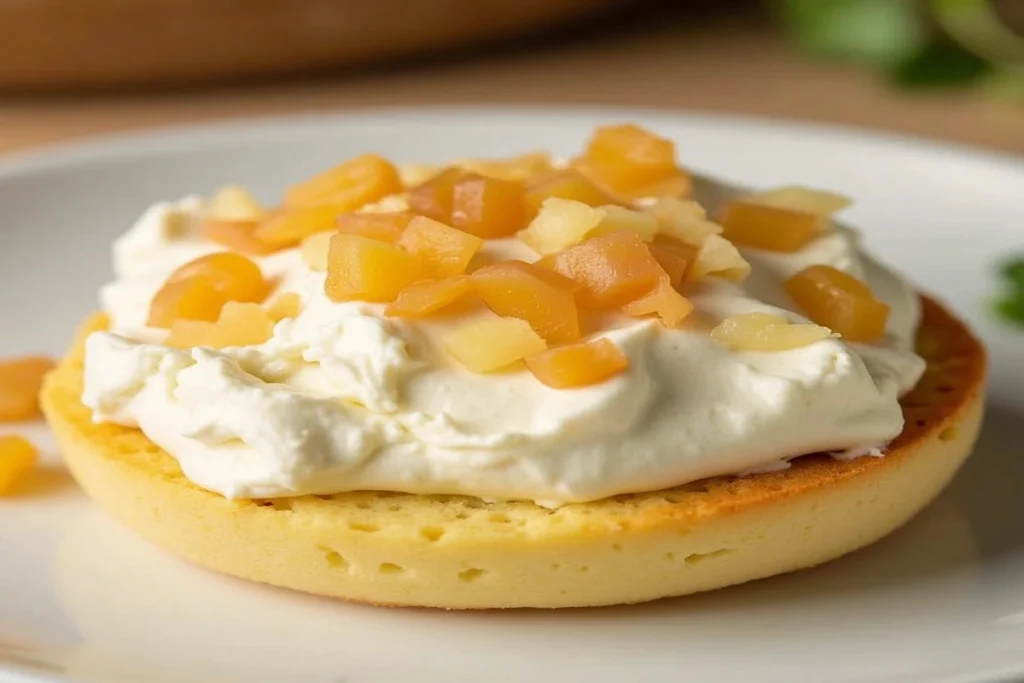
612	230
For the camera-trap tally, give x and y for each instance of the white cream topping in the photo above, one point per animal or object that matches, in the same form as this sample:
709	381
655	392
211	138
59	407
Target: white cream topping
342	398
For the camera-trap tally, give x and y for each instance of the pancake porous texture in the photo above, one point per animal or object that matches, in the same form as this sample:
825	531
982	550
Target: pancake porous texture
462	552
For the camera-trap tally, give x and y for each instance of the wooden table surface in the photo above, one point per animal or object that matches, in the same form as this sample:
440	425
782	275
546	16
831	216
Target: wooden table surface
726	64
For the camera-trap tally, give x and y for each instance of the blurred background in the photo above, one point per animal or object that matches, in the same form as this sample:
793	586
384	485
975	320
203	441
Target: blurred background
951	69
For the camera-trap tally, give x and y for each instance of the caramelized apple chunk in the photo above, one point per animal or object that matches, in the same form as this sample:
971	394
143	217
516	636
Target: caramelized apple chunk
818	202
17	458
433	198
631	145
238	236
519	290
675	257
234	204
186	334
561	223
839	301
613	269
766	332
287	305
566	183
314	250
200	288
493	343
288	227
362	268
578	365
683	220
385	226
675	186
621	219
233	275
20	381
772	228
192	298
664	301
356	182
239	324
522	167
488	207
443	249
718	256
427	297
630	162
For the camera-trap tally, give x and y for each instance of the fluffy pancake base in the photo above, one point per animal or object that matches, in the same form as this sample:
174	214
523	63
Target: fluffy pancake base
463	553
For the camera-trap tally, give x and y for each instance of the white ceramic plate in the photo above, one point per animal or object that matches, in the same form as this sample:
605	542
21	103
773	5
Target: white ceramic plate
941	600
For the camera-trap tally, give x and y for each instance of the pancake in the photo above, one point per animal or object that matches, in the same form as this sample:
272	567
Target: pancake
464	553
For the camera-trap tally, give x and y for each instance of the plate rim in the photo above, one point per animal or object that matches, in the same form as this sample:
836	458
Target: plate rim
157	139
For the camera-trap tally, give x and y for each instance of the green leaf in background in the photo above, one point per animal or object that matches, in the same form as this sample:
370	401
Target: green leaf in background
940	65
1005	83
877	31
1011	306
1013	271
976	25
1011	309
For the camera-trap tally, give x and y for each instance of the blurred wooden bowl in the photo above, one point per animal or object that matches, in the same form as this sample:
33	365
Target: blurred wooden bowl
50	44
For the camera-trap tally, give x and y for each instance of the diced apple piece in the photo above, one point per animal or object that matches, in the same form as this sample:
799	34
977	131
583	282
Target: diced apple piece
488	207
522	167
238	236
675	257
675	186
684	220
566	183
578	365
287	305
626	159
519	290
839	301
493	343
619	219
356	182
630	145
289	227
613	269
20	381
819	202
561	223
241	325
365	269
186	334
771	228
664	301
17	458
433	198
443	249
384	226
426	297
236	277
766	332
416	174
314	250
718	256
235	204
193	298
393	203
